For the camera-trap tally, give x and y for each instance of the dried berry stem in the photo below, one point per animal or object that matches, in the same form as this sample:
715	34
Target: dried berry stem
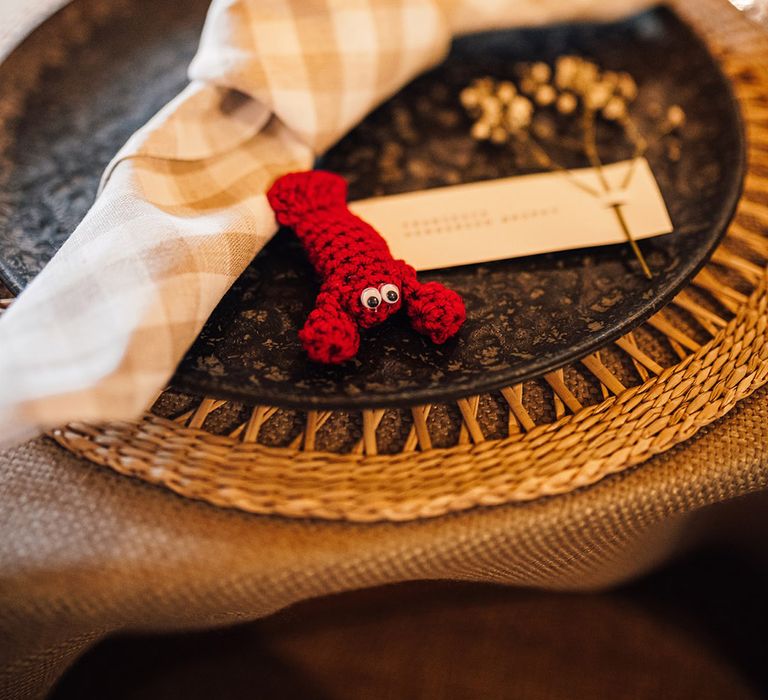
590	147
640	144
543	158
589	128
632	242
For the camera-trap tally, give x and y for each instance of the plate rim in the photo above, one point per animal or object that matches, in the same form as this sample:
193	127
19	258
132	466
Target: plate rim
541	365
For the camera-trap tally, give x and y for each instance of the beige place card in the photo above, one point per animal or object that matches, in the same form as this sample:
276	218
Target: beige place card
516	216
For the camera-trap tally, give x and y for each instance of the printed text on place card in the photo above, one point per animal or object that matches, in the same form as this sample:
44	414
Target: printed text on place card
512	217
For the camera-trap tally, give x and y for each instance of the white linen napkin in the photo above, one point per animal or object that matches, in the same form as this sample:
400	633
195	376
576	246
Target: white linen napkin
182	211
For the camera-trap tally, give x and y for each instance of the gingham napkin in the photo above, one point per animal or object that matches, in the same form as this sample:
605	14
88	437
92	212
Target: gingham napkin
182	210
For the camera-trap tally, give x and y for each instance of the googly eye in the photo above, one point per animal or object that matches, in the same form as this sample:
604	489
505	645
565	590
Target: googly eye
370	298
389	293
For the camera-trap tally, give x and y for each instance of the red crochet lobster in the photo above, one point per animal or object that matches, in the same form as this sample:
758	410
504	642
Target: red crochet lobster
362	284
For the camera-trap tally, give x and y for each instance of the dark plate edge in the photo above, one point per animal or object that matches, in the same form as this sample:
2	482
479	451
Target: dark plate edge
535	370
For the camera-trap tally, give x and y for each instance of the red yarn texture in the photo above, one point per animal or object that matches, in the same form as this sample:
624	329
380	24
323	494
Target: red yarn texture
351	258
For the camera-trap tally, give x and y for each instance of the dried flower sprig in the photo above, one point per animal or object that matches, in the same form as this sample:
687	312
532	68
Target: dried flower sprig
498	109
502	112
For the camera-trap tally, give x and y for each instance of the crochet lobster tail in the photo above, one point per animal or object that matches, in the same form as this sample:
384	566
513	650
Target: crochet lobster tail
295	195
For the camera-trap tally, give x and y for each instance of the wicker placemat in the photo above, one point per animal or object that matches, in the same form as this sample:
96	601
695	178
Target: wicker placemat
655	387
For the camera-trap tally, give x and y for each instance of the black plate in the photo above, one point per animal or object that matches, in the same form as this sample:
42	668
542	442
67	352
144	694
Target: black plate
526	316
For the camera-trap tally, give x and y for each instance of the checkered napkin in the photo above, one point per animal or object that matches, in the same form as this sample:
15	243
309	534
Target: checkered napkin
182	210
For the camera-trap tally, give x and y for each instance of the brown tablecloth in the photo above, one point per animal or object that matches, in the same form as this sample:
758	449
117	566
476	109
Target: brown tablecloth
693	631
85	552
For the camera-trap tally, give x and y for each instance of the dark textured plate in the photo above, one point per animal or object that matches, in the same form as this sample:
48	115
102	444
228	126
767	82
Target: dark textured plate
526	316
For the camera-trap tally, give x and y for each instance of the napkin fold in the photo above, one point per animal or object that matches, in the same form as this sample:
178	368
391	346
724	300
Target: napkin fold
181	209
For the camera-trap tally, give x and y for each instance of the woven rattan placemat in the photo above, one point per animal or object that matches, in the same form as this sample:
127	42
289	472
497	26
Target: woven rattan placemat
653	388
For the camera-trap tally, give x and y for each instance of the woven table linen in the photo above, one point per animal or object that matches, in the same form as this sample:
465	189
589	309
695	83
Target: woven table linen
85	552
